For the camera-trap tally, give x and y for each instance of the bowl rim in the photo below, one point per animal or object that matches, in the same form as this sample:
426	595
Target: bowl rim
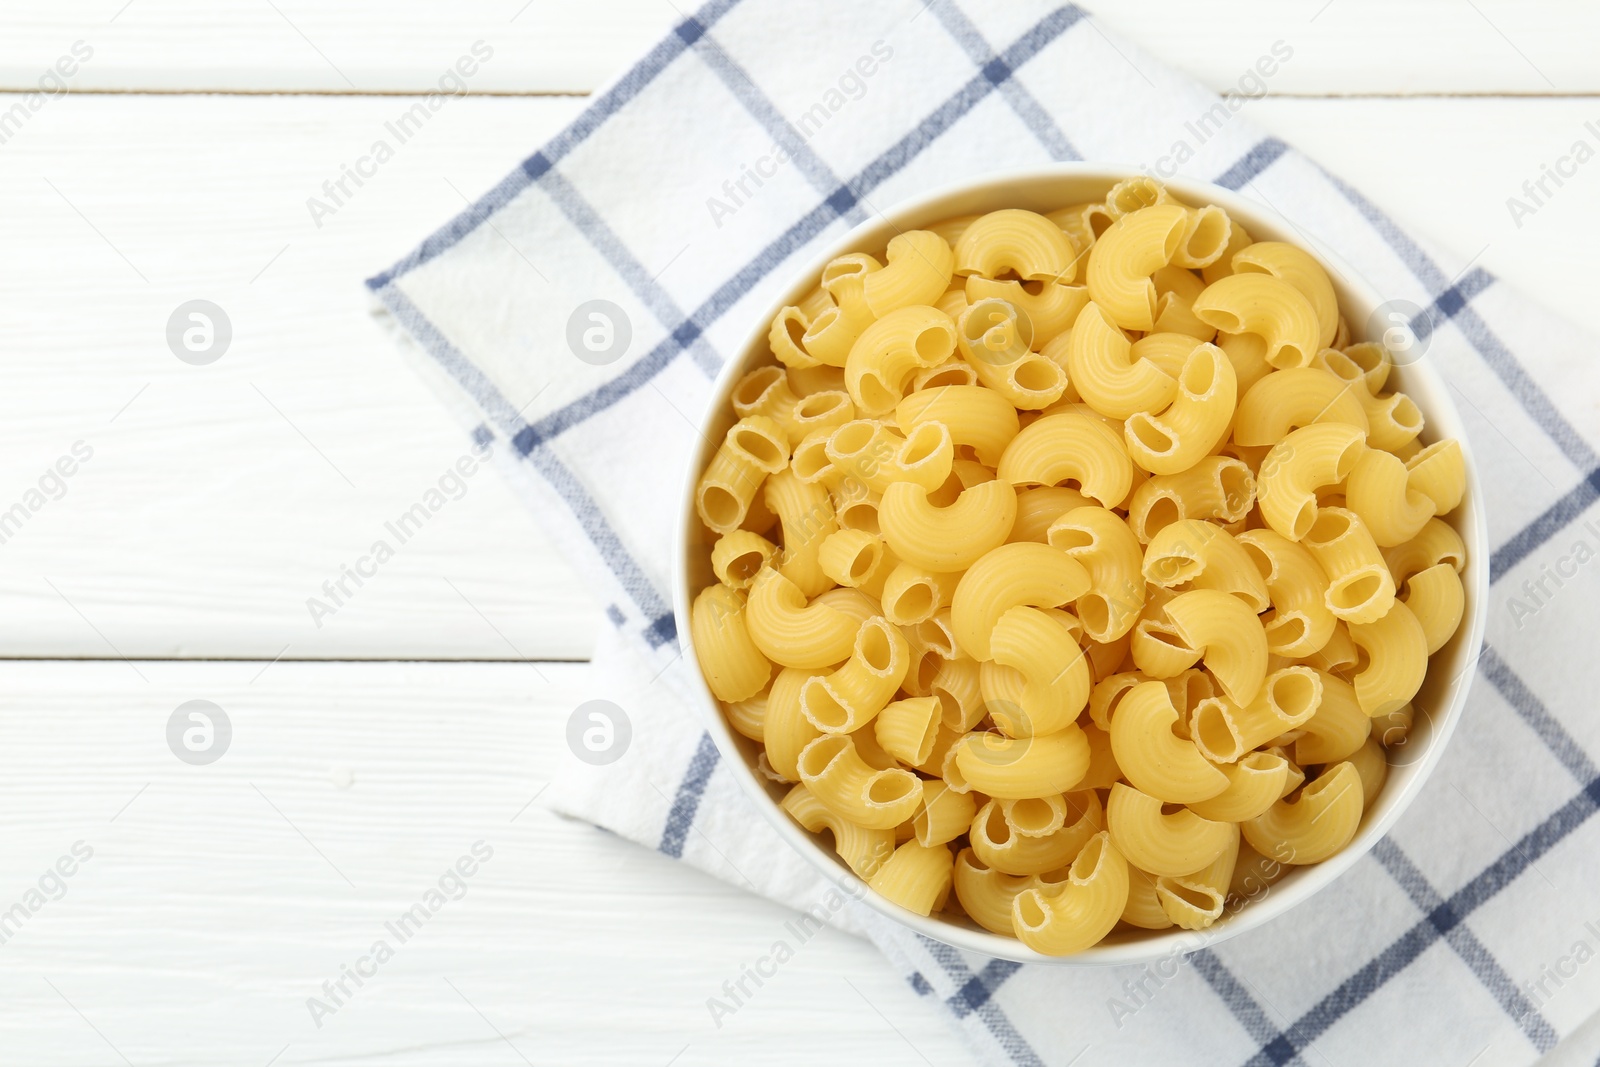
1441	416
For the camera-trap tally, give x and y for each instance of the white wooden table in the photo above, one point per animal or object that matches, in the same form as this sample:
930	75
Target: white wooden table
371	753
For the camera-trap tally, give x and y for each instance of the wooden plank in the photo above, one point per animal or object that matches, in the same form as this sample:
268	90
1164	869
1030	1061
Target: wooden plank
1340	47
218	899
205	520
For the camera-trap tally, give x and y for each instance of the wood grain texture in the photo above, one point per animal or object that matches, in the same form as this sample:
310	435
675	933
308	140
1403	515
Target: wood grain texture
1340	47
205	920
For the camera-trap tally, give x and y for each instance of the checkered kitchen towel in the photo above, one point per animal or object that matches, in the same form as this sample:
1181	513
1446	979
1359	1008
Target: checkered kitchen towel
689	193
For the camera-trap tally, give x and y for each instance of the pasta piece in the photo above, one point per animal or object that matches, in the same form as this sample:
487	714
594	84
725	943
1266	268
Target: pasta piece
1300	622
836	774
1225	731
1172	845
1295	266
1070	447
1008	576
916	877
1303	462
887	353
1082	910
1230	638
996	339
977	418
943	815
1219	488
1268	307
734	666
1360	586
1288	400
1154	759
1038	508
1122	261
1020	242
949	538
863	850
1309	830
1396	650
791	632
1102	542
996	844
918	270
1193	554
1053	667
1102	368
1380	490
1256	781
1019	768
849	698
1338	729
738	557
1195	901
908	728
1436	597
1196	421
985	893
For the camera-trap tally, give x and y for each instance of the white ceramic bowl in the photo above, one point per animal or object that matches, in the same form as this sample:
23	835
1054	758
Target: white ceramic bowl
1439	704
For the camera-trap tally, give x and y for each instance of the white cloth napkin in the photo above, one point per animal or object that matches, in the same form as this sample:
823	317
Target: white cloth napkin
689	193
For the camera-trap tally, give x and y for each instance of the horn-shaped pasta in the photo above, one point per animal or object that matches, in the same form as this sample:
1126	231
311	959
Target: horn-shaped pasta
1205	237
1439	472
916	877
1054	668
1176	290
1300	622
732	663
1052	310
943	815
1195	901
1300	464
977	417
1194	424
738	557
792	632
1103	369
1070	447
1171	845
908	728
1143	908
837	775
1309	830
949	538
1297	267
1074	915
1393	421
996	339
997	844
1131	194
1287	400
1201	555
1154	759
863	850
1225	730
1038	508
1022	242
1102	542
1255	783
1229	636
1018	768
1436	597
917	272
1436	543
1397	660
1338	728
1012	574
1122	261
1157	648
1268	307
846	700
986	894
766	391
1381	491
855	559
914	594
808	518
1360	586
890	350
786	728
1220	488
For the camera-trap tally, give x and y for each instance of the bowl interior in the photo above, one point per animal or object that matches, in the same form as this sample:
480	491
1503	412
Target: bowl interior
1438	705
